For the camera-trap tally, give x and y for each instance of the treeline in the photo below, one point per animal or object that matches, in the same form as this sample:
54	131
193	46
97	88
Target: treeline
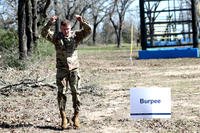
107	18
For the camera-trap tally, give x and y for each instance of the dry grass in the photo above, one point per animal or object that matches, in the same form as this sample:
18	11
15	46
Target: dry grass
107	77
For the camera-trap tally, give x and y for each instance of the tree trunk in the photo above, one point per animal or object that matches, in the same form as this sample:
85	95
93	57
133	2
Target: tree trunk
29	42
119	38
117	32
34	23
21	26
57	24
94	34
151	34
48	2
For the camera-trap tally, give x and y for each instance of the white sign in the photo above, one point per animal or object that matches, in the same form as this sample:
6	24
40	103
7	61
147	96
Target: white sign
151	102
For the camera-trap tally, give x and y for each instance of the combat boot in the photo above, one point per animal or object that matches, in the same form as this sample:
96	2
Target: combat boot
65	122
75	120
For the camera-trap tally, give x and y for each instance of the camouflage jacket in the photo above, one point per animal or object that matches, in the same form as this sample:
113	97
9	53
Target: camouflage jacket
66	47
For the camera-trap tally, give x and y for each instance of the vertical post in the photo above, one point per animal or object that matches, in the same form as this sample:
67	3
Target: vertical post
21	29
57	25
194	23
29	35
143	26
131	48
34	24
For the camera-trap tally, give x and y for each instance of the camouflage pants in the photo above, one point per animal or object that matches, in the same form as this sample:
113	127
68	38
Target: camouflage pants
63	79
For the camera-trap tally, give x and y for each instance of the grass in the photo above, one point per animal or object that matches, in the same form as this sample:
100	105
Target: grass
10	56
104	48
44	48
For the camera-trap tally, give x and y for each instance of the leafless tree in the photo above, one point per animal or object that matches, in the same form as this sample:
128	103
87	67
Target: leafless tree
98	11
8	13
117	14
66	9
107	32
27	23
32	14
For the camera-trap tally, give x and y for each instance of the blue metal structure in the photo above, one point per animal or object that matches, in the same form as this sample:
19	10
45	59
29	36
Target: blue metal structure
168	23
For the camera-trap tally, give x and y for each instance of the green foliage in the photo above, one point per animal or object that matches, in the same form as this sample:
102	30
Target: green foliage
126	35
8	39
13	61
103	48
10	55
44	49
8	48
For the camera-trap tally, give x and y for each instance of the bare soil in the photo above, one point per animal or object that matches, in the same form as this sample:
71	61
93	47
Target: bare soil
107	77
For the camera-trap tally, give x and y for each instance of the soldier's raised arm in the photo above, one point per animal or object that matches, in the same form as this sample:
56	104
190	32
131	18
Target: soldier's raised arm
85	31
46	32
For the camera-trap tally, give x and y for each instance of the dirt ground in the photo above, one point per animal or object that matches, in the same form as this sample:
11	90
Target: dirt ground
30	105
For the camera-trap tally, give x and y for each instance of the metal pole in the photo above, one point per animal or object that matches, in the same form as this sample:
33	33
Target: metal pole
57	24
194	23
143	26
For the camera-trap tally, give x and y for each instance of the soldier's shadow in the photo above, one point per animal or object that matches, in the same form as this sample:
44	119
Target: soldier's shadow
7	125
49	127
53	128
22	125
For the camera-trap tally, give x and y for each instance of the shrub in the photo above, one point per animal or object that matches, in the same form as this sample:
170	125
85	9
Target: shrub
12	61
44	49
8	39
9	50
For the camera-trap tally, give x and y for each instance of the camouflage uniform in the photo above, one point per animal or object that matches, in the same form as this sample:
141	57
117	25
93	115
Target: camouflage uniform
67	62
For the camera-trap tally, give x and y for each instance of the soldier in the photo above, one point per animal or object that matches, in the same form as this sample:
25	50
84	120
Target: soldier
67	64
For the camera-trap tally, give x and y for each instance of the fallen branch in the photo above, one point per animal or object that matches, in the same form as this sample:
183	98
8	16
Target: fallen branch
2	81
44	84
29	83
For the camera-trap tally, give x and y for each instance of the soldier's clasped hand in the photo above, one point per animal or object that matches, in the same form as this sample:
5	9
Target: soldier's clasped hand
79	18
53	19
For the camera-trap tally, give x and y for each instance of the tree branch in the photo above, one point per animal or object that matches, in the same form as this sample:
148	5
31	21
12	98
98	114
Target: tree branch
28	83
